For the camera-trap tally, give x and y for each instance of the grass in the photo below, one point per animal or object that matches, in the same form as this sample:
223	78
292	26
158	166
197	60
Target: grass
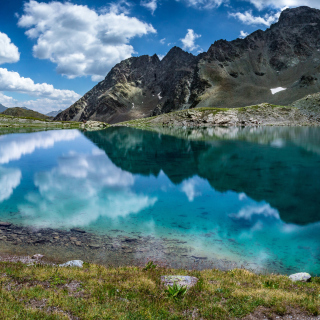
97	292
12	121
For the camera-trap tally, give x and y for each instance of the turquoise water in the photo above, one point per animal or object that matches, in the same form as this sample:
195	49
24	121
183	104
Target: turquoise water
249	195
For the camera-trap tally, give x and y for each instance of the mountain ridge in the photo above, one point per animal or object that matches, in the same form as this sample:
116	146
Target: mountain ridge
230	74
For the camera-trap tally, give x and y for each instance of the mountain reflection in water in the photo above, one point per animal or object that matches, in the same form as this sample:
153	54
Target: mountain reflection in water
245	194
278	165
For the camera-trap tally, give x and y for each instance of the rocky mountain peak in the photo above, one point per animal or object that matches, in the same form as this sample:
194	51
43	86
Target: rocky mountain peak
299	16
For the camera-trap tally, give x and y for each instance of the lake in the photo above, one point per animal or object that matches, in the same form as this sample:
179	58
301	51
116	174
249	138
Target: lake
195	198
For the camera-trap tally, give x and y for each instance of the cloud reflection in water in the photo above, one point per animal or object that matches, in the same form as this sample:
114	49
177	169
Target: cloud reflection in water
81	189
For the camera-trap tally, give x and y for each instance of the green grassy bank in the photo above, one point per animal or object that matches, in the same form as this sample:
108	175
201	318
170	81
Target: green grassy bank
97	292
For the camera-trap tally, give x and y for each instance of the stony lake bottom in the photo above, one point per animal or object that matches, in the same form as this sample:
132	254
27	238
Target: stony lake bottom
215	197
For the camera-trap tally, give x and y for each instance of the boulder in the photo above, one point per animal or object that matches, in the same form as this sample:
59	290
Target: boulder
179	280
37	256
302	276
72	263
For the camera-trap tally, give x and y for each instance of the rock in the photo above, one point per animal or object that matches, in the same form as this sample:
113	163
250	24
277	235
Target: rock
77	230
179	280
94	246
72	263
302	276
37	256
5	224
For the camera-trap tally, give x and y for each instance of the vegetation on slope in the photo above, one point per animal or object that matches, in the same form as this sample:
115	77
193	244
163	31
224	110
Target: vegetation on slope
97	292
19	112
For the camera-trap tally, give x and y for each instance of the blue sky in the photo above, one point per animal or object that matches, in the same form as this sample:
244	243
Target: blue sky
52	52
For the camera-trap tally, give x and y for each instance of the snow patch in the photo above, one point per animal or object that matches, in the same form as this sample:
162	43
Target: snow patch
276	90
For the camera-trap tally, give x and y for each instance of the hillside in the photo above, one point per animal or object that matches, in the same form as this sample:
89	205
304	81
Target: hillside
21	112
231	74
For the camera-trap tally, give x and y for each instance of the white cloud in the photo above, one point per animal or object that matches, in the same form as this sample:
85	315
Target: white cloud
249	212
81	41
43	105
278	4
9	53
12	81
9	180
163	41
161	56
249	19
188	42
189	188
13	148
242	196
95	188
243	34
204	4
50	98
150	5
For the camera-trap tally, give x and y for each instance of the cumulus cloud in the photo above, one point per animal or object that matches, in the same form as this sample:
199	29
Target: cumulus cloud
243	34
49	97
204	4
12	81
95	188
189	188
9	53
248	212
13	148
263	4
249	19
9	180
81	41
163	41
188	42
43	105
150	5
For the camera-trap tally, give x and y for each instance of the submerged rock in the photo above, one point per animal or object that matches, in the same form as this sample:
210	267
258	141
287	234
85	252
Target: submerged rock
179	280
77	230
302	276
5	224
72	263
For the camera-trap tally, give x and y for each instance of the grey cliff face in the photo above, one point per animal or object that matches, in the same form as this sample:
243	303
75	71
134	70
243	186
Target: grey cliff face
230	74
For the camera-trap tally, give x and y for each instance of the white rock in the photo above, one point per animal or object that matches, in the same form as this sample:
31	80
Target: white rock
179	280
72	263
302	276
37	256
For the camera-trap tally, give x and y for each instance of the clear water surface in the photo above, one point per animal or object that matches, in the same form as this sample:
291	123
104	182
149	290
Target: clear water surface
247	195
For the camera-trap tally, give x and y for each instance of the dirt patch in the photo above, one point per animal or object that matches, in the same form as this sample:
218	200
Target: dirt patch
290	314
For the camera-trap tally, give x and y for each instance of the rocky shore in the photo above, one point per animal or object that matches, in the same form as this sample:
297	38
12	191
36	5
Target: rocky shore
114	248
260	115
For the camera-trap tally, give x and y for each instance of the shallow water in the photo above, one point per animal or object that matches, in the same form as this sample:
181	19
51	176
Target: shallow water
249	196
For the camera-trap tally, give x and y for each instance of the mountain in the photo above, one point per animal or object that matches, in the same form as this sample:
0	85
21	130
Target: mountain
22	112
53	113
278	66
2	108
